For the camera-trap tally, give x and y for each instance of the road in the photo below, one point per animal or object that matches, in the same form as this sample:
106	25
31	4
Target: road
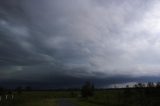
65	102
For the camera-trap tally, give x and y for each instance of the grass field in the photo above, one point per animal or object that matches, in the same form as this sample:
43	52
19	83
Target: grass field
100	98
133	97
31	99
37	98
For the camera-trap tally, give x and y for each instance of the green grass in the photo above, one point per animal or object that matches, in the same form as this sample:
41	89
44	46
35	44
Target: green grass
103	98
100	98
120	98
42	102
38	98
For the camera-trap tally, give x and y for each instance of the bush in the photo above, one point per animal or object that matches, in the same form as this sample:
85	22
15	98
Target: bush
87	89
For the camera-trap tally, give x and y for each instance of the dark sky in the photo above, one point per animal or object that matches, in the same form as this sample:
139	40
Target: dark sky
62	43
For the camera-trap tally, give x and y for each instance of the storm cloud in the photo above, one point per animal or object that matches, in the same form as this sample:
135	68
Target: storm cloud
58	41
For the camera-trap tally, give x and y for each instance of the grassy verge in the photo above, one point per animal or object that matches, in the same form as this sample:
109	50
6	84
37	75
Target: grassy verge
42	102
32	99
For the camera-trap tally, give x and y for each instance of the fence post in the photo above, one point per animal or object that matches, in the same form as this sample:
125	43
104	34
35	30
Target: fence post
6	97
12	96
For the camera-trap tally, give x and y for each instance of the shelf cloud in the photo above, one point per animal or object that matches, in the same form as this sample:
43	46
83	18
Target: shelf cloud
56	41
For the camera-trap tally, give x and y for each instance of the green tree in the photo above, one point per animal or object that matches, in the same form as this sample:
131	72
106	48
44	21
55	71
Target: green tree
87	89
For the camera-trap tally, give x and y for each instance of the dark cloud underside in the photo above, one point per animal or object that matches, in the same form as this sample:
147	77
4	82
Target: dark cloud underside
52	41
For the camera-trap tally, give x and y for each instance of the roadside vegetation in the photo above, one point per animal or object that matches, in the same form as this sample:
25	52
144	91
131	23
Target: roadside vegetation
139	95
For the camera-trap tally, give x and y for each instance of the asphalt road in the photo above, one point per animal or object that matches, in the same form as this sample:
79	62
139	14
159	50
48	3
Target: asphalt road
65	102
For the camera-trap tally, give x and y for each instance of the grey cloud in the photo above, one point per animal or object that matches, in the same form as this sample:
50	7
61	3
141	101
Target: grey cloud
78	39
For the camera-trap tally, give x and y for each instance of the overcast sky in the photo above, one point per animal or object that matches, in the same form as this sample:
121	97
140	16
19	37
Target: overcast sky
65	42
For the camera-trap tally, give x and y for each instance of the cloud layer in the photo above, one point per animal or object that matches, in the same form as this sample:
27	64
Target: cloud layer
84	39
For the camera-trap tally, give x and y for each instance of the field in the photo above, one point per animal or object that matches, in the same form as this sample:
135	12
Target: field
35	98
122	97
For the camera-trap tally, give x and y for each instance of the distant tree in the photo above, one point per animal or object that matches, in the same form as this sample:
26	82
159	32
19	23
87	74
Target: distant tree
127	86
28	88
19	89
150	85
87	89
158	85
135	86
139	85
